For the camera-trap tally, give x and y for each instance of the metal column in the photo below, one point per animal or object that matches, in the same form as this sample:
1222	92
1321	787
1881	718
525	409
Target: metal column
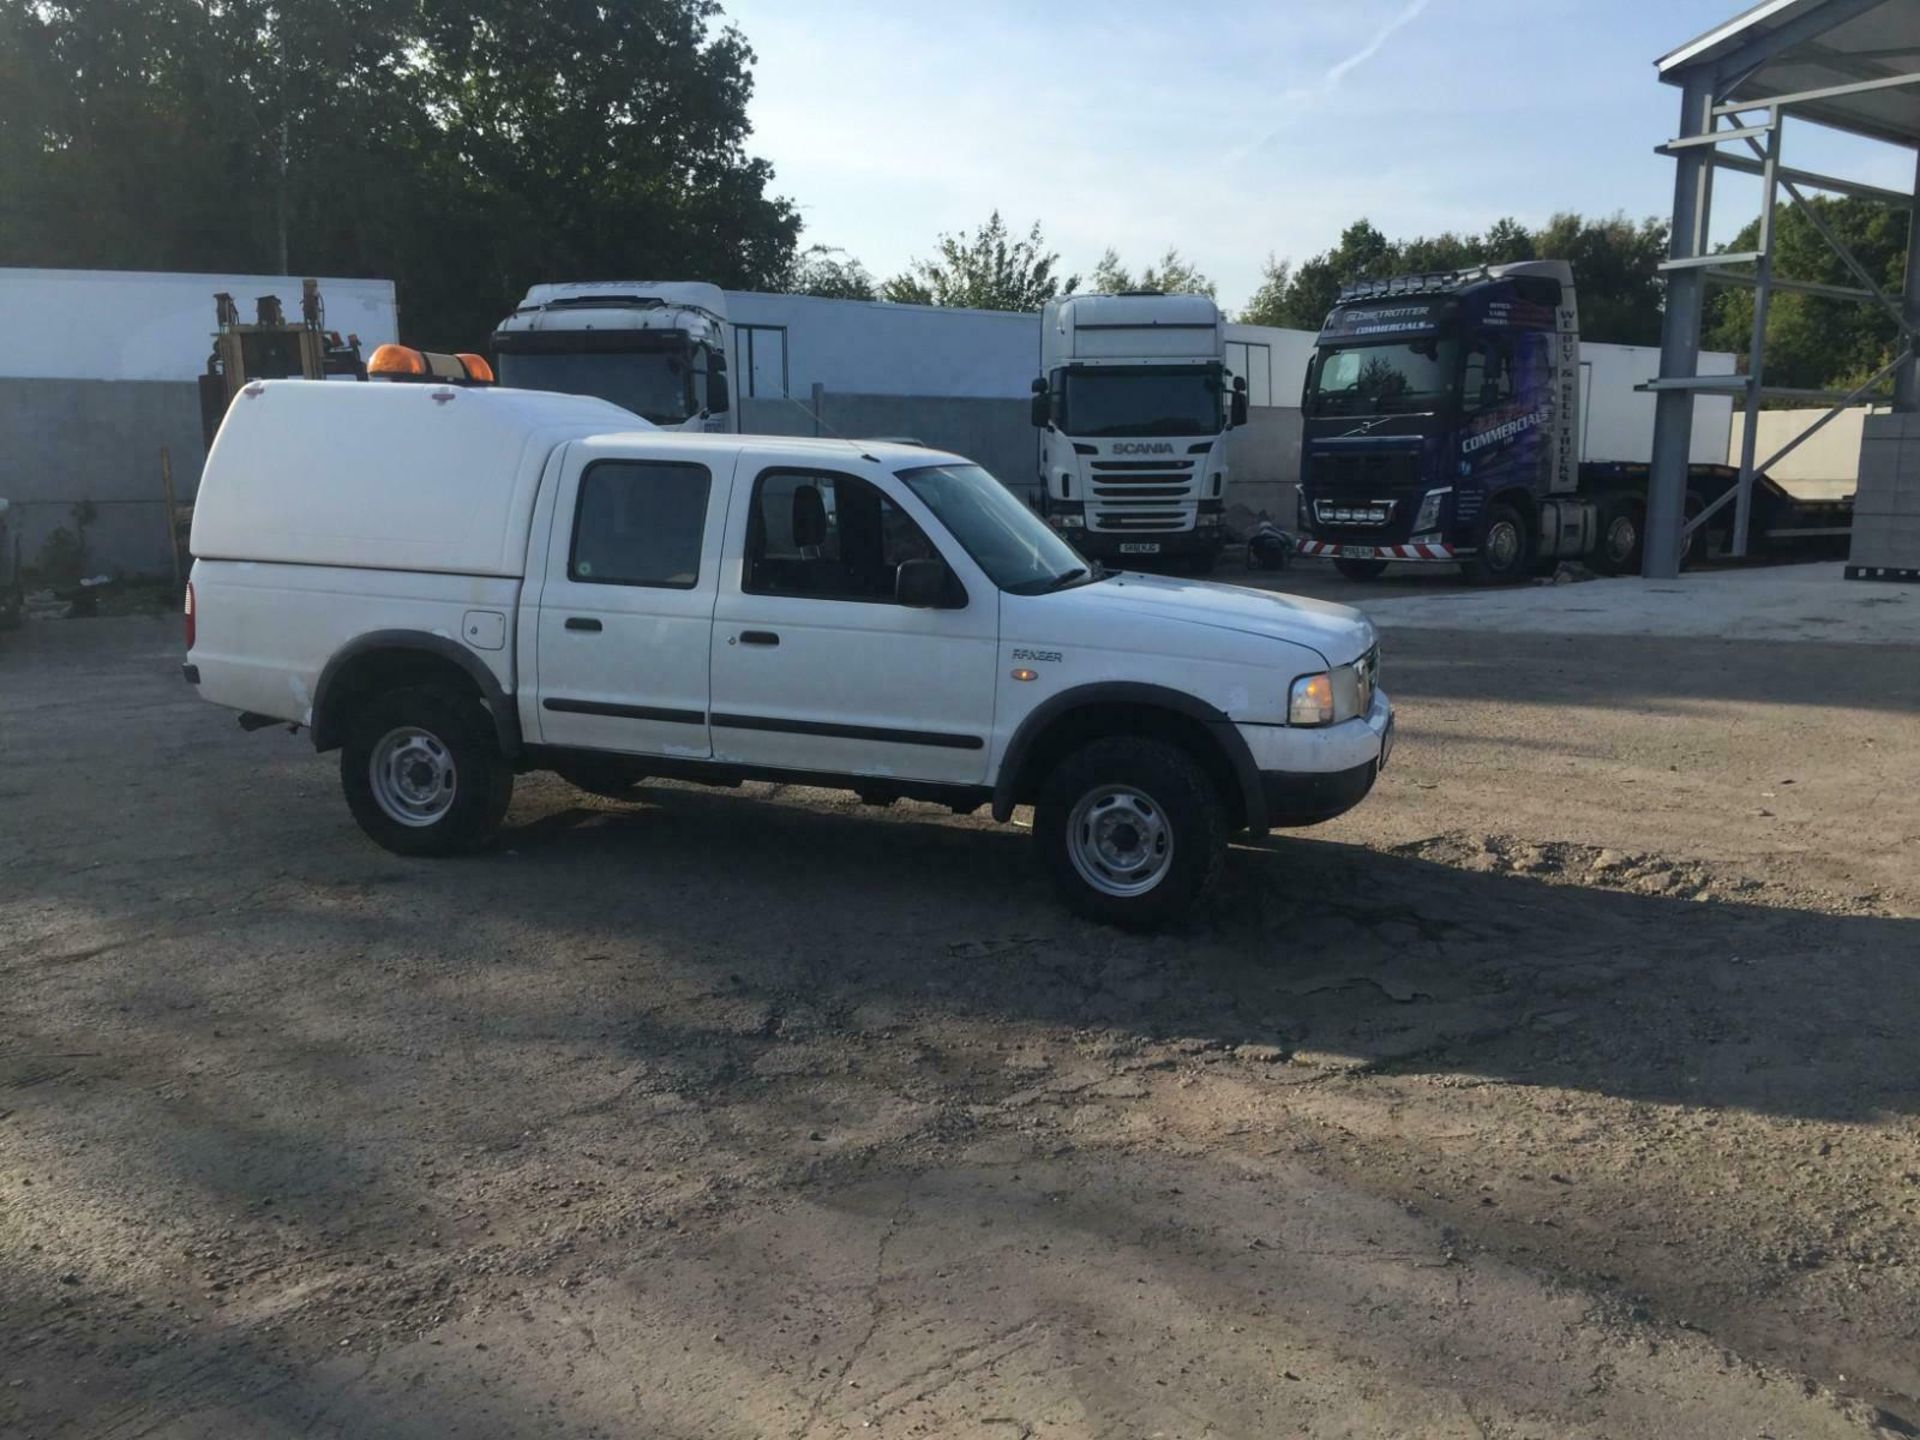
1906	380
1680	333
1757	347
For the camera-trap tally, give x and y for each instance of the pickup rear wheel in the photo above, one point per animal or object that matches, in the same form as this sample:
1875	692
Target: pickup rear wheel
1131	831
423	773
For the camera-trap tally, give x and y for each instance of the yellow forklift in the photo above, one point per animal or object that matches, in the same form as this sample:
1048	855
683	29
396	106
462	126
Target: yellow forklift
272	347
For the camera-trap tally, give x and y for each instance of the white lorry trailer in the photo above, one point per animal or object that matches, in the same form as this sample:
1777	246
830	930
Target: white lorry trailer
1133	403
656	347
451	585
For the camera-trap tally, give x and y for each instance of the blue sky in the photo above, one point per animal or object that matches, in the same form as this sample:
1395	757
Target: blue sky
1229	129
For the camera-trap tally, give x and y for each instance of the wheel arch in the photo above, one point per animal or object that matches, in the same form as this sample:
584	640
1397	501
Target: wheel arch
1088	712
387	659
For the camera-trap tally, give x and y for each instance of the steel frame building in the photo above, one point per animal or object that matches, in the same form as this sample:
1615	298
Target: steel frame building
1851	65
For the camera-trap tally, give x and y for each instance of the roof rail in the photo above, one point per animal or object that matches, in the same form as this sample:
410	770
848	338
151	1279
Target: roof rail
1431	283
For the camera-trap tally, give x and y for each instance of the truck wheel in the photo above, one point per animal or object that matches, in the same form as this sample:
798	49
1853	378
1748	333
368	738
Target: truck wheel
423	773
1361	569
1131	831
1622	539
1506	549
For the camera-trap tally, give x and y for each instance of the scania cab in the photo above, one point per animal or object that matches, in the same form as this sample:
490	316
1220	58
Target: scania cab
1442	425
656	348
1133	405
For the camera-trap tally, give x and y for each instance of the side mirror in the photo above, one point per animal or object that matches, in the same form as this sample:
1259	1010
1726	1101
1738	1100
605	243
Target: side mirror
1041	409
1237	410
924	585
717	402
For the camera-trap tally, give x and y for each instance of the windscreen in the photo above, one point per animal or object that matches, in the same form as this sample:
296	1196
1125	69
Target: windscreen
1141	400
1005	538
653	385
1386	379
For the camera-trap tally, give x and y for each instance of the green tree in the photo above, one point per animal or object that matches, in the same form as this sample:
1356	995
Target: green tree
1615	264
989	271
1815	342
829	273
465	148
1174	275
1268	304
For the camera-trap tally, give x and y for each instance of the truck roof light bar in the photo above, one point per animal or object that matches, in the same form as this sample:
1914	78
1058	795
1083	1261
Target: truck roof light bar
1430	283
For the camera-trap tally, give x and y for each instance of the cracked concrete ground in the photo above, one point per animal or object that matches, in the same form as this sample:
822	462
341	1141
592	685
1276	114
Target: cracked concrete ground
1565	1089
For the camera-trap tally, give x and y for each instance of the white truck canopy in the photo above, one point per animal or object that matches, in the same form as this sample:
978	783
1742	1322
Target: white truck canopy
379	476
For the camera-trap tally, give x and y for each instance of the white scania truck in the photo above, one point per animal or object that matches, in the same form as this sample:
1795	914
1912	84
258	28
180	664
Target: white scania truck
1133	404
656	347
450	585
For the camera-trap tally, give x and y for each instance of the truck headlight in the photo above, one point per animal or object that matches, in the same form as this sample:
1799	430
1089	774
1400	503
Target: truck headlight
1210	520
1070	522
1429	516
1311	700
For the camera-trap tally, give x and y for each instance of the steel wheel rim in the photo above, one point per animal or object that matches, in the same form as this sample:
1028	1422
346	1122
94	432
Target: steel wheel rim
1503	544
411	773
1622	536
1119	841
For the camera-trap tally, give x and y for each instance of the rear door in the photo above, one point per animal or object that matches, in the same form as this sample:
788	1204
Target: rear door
626	610
816	666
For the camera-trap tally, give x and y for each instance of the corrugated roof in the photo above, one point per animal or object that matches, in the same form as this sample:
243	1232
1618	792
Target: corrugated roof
1796	46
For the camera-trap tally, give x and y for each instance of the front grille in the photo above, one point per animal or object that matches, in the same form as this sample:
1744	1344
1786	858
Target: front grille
1141	482
1367	670
1363	494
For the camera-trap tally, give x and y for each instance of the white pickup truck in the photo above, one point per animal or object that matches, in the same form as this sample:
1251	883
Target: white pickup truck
452	586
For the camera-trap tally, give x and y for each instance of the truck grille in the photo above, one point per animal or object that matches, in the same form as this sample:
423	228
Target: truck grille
1363	494
1138	494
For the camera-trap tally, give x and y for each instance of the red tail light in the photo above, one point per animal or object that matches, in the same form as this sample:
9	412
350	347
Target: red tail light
187	615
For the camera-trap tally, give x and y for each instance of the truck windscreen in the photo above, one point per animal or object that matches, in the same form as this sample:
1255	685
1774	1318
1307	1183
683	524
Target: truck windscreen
651	384
1140	400
1387	379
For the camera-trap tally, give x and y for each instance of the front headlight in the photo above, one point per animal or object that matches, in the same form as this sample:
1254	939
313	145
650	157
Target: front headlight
1311	700
1211	520
1429	515
1070	522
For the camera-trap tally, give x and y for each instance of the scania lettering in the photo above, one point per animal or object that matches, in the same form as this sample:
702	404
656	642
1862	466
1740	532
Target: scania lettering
657	348
450	586
1118	368
1443	425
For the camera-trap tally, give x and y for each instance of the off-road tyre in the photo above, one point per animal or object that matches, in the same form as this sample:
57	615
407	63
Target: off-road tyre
464	784
1179	797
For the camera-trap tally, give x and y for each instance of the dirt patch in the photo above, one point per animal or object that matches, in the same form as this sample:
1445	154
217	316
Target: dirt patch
1556	1092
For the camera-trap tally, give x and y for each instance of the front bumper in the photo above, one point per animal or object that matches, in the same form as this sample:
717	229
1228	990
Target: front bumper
1410	554
1113	544
1311	775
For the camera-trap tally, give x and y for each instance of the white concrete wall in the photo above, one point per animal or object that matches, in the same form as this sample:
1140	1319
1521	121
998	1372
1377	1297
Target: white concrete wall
135	325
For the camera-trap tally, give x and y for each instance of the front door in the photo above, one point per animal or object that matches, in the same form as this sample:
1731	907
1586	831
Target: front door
626	612
817	667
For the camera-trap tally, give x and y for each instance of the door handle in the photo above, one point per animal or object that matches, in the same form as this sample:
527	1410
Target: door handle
583	622
759	637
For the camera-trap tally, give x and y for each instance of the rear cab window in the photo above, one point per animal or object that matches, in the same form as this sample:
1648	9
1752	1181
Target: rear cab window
640	522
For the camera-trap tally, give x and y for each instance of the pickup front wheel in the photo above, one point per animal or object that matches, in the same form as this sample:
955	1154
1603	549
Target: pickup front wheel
423	773
1131	831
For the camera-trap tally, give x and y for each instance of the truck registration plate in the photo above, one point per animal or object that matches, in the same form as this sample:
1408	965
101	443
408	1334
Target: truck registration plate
1356	552
1140	547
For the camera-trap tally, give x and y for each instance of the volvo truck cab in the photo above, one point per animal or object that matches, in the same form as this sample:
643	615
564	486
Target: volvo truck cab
1133	404
656	348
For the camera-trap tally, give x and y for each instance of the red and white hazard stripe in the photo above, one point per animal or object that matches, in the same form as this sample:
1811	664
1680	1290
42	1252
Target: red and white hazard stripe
1377	552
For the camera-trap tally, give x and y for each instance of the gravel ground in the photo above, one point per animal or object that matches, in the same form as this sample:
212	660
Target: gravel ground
1567	1088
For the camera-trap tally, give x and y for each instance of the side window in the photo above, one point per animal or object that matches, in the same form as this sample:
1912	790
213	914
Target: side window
1488	381
640	522
827	537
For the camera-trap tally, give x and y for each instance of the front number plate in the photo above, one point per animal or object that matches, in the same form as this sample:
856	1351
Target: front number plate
1356	552
1140	547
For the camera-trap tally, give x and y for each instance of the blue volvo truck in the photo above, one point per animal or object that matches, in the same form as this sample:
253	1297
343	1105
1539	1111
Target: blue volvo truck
1441	426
